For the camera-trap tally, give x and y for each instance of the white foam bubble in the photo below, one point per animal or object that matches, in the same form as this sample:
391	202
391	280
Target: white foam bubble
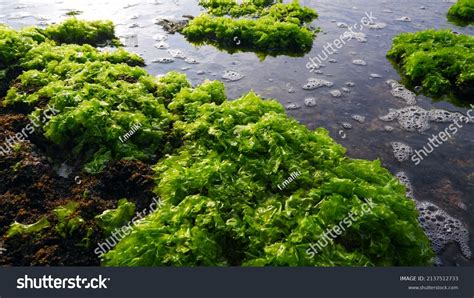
163	60
232	75
377	26
388	128
314	83
161	45
310	101
177	54
160	37
442	228
412	118
293	106
403	178
336	93
346	125
401	151
359	36
399	91
290	89
359	62
358	118
191	60
415	118
404	19
439	115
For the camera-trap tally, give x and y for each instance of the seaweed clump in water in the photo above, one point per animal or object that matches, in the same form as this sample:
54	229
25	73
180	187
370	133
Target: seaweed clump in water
263	27
462	12
216	169
81	32
15	44
440	61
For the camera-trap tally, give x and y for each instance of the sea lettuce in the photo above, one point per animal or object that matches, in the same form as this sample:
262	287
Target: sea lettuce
222	205
68	220
82	32
462	12
438	60
99	97
264	27
17	228
112	219
13	46
218	166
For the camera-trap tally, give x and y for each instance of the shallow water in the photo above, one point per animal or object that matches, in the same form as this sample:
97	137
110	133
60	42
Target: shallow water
445	177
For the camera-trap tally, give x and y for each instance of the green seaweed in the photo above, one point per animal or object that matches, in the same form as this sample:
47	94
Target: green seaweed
438	60
98	96
81	32
14	45
462	12
221	204
17	228
263	27
112	219
218	164
68	221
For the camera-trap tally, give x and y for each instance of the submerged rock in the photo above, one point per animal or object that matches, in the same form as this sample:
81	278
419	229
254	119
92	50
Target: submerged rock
172	26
